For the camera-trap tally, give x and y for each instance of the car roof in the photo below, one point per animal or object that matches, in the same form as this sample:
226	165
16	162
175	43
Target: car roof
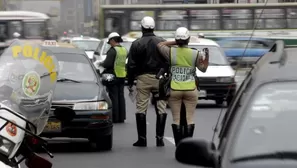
85	38
278	64
65	50
242	38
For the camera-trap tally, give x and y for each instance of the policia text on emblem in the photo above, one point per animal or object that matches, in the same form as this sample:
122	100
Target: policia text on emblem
182	74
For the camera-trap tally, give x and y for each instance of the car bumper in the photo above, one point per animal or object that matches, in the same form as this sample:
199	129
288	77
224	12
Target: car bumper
84	125
217	91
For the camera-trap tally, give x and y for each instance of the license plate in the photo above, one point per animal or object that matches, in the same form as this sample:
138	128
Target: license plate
53	126
202	93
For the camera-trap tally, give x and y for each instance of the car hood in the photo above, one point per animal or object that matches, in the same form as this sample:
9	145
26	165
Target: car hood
216	71
74	92
269	163
235	52
90	54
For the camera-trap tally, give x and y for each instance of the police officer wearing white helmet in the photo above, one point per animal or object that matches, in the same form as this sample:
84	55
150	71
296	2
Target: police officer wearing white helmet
144	63
115	65
183	62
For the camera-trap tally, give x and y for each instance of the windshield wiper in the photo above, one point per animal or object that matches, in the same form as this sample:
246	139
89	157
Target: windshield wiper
273	155
66	79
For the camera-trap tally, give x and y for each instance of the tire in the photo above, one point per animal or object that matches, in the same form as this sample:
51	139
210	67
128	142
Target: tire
104	143
219	102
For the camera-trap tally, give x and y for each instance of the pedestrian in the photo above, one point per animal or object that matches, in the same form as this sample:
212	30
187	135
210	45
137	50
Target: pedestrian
201	35
114	65
183	63
144	63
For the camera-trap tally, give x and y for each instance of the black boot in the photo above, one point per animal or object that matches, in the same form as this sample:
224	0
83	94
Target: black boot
141	130
160	128
189	130
177	133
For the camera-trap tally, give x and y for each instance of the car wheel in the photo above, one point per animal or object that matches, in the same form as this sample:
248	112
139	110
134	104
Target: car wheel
104	143
219	102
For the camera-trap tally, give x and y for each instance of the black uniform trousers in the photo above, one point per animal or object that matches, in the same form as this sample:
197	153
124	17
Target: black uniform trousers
116	94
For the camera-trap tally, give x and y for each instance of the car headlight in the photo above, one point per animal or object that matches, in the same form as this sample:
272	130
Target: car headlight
102	105
225	80
6	146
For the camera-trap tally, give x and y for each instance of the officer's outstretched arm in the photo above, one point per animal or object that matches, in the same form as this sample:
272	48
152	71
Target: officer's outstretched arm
202	60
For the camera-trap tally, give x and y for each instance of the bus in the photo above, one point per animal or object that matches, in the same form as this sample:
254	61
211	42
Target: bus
273	20
29	25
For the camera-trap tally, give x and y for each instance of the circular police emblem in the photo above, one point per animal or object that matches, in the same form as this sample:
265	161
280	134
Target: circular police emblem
31	84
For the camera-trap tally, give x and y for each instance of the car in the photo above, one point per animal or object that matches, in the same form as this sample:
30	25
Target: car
79	89
258	127
103	47
243	51
88	44
218	82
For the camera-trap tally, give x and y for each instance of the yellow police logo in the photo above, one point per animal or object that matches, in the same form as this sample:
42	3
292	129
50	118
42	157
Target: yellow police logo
31	84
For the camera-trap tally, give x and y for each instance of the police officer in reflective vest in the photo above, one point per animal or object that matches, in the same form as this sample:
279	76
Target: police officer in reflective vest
183	61
115	63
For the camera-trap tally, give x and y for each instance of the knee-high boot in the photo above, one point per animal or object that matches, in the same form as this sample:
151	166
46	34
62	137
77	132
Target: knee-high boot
160	129
141	130
189	130
177	133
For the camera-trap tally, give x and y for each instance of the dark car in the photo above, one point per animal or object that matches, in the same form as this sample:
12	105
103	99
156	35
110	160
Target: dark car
243	50
258	130
79	89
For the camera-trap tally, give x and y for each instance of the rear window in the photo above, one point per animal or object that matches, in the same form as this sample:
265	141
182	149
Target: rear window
76	67
269	124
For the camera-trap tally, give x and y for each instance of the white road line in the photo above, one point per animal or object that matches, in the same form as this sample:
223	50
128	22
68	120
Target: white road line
170	139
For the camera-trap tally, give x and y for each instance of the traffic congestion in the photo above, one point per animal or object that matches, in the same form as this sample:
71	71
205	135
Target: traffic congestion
158	85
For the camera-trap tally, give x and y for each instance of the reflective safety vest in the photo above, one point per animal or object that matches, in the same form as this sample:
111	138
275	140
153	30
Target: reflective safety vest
120	62
183	68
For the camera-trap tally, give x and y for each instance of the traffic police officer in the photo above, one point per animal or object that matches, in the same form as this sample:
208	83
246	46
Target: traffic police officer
115	63
144	63
183	62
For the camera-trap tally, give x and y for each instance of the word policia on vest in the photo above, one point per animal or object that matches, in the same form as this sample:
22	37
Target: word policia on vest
182	74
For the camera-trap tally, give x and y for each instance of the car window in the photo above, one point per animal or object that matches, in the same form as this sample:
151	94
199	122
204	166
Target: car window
270	116
126	44
75	66
216	55
100	46
243	44
87	45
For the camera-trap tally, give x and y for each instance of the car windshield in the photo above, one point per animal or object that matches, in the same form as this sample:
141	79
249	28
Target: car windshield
87	45
126	44
245	44
216	55
270	123
75	67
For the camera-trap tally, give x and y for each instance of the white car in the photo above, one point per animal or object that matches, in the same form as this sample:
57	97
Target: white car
103	47
88	44
219	79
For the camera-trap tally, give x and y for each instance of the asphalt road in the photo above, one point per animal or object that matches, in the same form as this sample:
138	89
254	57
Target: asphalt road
74	153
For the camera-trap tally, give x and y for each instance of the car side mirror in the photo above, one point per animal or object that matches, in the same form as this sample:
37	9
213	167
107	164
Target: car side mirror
36	161
196	152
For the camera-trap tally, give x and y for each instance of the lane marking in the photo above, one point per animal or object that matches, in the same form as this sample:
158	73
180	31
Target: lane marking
170	139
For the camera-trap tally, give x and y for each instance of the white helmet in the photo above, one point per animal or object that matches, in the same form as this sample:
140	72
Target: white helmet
182	33
16	35
112	35
148	22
